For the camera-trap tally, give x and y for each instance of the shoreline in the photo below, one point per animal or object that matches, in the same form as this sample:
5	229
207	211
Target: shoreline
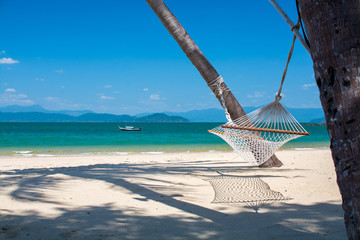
31	153
166	196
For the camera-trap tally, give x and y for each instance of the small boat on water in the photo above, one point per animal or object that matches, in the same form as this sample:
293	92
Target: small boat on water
129	128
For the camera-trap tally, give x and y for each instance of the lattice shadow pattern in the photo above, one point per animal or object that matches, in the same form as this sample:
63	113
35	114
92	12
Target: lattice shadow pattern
251	191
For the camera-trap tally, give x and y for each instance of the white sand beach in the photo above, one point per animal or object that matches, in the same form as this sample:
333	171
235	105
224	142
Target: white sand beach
165	196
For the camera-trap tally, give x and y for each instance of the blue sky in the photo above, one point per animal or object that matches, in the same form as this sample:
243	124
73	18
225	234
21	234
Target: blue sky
116	56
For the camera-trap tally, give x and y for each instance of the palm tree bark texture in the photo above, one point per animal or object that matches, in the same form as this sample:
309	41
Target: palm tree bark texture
333	28
198	59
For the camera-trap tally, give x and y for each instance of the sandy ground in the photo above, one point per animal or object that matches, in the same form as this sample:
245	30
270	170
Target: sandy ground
165	197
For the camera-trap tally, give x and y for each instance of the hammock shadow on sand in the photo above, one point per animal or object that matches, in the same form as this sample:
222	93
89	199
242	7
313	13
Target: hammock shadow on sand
251	191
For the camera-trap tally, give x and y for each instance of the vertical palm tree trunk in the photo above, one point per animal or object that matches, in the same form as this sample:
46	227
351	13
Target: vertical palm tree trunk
333	28
198	59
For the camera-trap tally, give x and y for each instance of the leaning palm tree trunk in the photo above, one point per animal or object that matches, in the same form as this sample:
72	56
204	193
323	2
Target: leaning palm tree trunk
205	68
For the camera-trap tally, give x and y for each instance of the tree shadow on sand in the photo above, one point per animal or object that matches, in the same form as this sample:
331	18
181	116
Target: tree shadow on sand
281	220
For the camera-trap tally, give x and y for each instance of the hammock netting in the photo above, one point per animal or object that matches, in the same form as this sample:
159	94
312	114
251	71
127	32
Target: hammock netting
259	134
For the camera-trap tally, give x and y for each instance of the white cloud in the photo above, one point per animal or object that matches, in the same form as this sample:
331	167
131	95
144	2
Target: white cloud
256	95
21	95
10	90
56	103
25	102
59	71
11	97
155	97
146	89
52	99
309	85
107	86
40	79
106	98
8	61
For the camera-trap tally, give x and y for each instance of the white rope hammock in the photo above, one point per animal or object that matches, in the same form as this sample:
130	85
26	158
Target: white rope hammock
259	134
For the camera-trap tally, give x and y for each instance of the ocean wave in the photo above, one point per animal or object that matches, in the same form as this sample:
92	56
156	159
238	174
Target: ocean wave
120	153
86	153
304	149
155	153
22	152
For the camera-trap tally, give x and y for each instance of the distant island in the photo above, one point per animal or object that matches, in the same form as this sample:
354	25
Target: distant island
88	117
36	113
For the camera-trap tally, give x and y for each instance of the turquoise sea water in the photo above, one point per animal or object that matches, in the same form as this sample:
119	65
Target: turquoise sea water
43	139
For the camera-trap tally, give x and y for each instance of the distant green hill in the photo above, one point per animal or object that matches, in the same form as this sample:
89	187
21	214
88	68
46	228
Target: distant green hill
104	117
39	109
88	117
34	117
36	113
303	115
318	120
160	117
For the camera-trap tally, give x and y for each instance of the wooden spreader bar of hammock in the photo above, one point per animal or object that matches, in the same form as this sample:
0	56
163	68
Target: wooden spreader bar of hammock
265	130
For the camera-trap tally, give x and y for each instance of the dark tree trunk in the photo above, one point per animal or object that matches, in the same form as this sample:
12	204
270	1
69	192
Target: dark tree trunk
333	28
198	59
